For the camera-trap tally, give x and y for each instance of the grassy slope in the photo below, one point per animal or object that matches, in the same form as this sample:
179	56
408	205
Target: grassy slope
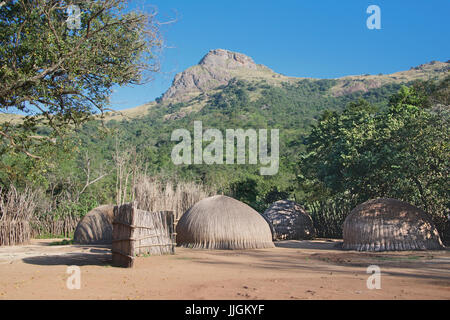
344	86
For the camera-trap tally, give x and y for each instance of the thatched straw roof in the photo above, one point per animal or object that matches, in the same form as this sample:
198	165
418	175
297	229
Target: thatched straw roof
154	195
221	222
290	221
389	225
96	227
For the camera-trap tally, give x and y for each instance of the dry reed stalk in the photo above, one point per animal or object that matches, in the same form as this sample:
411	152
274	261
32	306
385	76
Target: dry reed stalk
16	210
48	226
152	195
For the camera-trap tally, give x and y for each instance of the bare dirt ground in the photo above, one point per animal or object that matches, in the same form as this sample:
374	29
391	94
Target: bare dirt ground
293	270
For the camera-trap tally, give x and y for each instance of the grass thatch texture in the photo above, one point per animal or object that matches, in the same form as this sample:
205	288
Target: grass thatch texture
389	225
16	210
221	222
290	221
153	195
96	227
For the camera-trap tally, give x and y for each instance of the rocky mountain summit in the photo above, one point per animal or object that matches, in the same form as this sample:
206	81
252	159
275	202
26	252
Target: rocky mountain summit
216	68
225	59
194	86
219	66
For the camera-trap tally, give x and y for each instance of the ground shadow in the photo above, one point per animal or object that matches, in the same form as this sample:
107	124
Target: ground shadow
95	257
336	261
308	244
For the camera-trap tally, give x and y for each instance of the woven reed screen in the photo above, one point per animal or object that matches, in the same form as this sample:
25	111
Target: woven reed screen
140	233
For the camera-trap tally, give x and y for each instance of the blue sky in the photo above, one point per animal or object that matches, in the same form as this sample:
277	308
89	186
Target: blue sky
304	38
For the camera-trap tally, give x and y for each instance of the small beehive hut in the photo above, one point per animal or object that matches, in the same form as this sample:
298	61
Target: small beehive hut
138	232
389	225
290	221
221	222
96	226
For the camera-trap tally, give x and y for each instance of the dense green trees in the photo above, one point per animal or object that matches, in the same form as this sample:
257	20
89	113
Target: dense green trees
400	152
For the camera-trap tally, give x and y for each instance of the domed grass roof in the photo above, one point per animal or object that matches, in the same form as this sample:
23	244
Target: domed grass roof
221	222
389	225
96	226
290	221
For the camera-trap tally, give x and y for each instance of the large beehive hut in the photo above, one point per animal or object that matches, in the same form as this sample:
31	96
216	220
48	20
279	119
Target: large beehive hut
221	222
389	225
290	221
96	227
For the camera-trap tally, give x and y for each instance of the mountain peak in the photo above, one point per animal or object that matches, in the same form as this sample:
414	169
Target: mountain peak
220	58
216	68
219	66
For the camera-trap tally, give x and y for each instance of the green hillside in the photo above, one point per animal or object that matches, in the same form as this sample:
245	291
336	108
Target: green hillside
247	96
291	107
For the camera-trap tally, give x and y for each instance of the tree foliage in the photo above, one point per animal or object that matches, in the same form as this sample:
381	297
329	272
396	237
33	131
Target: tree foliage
59	76
400	152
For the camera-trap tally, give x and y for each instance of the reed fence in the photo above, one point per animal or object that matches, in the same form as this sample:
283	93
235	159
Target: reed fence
139	233
16	210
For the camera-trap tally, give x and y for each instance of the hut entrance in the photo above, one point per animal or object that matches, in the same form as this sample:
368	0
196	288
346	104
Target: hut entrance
138	233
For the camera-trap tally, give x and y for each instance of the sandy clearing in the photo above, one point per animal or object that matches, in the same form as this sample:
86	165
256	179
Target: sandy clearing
292	270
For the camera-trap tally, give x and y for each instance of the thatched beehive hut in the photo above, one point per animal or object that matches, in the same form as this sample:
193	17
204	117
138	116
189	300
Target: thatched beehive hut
221	222
389	225
96	227
290	221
